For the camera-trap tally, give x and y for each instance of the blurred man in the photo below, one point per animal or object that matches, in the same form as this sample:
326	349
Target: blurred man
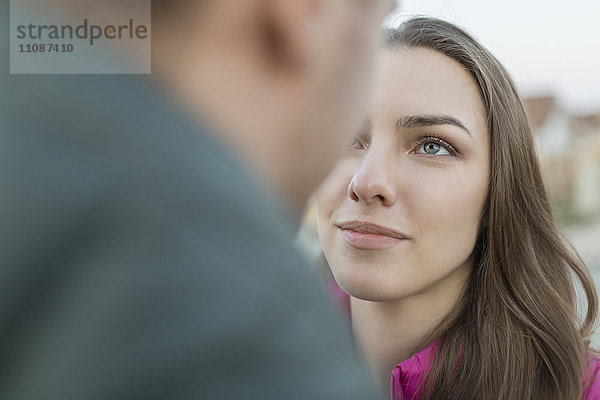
147	224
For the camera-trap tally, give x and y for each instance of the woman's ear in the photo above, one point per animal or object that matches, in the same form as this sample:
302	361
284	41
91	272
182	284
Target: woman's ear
289	31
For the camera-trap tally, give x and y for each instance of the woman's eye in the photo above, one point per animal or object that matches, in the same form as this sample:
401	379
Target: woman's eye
432	148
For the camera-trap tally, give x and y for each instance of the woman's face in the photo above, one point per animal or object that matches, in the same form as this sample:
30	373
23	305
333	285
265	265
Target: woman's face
400	212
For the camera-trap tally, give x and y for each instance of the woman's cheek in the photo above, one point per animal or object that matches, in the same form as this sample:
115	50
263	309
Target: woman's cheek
445	210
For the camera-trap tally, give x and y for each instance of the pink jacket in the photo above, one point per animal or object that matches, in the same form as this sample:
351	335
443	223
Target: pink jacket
405	377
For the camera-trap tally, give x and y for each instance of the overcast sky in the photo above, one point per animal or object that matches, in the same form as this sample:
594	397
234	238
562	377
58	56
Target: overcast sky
549	47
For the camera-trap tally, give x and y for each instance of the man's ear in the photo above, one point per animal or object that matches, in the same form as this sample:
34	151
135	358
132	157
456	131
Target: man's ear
289	30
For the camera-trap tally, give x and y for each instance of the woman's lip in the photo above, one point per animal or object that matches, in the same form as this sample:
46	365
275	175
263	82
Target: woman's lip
368	241
370	228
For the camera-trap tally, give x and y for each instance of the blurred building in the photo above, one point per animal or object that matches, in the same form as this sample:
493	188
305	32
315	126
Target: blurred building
569	149
585	153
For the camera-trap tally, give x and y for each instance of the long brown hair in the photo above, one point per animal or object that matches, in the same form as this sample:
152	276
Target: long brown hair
515	334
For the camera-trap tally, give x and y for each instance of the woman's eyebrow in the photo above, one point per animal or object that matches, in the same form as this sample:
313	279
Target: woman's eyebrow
416	121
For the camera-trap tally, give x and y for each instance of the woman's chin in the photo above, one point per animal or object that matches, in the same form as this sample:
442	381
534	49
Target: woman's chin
369	290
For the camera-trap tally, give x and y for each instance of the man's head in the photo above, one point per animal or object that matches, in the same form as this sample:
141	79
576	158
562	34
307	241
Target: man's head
286	81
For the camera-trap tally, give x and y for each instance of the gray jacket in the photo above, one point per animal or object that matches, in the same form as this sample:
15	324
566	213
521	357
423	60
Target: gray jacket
139	259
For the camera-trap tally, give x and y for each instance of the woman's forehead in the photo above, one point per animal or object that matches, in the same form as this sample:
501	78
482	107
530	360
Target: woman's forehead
425	82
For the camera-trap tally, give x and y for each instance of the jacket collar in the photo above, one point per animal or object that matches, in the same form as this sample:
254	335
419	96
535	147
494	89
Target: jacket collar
405	379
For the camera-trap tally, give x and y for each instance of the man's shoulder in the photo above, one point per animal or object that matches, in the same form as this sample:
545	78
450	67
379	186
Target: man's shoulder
117	147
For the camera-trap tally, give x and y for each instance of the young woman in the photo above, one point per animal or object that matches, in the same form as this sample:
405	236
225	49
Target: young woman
437	225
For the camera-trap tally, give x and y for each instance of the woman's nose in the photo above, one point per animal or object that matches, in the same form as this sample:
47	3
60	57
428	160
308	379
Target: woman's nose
373	182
